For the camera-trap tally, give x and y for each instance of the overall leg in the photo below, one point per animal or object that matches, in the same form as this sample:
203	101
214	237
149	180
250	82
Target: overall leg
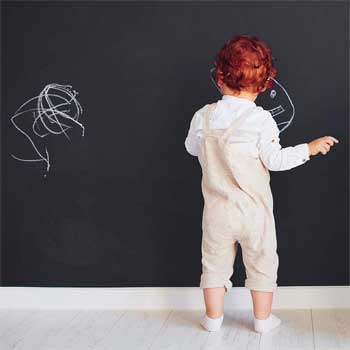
261	280
261	270
219	249
217	269
261	262
215	282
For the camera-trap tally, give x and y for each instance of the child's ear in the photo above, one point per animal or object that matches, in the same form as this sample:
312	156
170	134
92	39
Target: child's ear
220	83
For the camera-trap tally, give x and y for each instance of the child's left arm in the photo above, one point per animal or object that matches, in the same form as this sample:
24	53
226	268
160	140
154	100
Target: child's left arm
272	154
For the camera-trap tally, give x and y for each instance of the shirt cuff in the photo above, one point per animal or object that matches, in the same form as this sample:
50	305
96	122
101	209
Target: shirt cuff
304	151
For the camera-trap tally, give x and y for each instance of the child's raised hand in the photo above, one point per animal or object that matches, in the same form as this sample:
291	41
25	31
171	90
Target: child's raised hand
322	144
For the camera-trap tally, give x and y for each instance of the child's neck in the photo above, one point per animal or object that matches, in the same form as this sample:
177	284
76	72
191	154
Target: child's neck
242	94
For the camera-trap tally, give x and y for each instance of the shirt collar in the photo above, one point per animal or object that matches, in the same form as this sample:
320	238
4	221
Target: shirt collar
235	99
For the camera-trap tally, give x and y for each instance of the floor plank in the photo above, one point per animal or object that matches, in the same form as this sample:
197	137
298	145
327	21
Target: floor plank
135	330
294	333
48	326
83	331
236	333
181	331
16	325
331	329
12	321
169	329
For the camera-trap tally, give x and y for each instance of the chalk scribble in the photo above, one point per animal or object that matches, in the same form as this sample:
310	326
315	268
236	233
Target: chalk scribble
53	111
276	111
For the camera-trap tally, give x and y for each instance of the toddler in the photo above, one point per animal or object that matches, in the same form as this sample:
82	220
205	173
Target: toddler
237	143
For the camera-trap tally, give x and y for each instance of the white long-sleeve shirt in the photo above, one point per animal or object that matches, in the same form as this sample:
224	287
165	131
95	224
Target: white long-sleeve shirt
259	129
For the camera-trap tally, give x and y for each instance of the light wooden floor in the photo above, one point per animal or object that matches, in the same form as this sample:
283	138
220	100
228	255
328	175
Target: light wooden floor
169	329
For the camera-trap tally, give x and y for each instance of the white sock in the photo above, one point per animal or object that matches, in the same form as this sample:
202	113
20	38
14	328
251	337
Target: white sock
212	324
263	326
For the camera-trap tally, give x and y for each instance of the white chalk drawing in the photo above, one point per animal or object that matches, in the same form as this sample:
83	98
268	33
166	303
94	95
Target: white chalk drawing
55	103
277	111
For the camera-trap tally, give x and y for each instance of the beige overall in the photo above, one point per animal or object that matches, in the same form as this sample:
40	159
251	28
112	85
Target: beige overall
238	208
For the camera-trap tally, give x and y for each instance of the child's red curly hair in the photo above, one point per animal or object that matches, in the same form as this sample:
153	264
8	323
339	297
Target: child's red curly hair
245	63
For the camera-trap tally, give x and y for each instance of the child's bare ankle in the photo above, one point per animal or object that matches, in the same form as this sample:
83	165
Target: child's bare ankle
262	315
214	315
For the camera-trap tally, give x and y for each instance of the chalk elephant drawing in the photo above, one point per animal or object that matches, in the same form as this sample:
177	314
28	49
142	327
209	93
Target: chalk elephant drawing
279	103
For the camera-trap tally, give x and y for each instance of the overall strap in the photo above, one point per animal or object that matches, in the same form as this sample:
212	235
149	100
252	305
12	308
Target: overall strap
209	111
235	124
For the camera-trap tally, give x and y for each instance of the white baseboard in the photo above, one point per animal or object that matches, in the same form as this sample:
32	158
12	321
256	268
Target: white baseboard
190	298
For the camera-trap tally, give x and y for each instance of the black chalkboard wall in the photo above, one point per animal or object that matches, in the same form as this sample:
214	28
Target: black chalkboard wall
122	206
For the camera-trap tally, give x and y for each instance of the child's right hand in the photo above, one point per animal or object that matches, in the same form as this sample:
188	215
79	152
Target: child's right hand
322	144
